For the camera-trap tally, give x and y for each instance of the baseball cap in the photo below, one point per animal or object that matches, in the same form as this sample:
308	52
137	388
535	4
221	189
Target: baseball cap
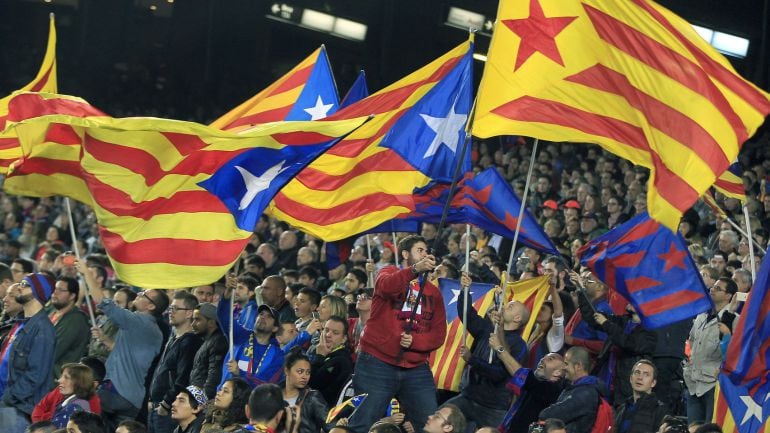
572	204
550	204
265	307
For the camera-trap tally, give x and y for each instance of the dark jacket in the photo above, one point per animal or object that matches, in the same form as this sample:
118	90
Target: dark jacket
330	373
577	405
30	363
644	416
487	382
173	372
207	366
194	427
73	333
314	410
627	342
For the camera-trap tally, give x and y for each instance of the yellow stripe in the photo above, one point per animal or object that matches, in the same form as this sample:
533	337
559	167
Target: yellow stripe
166	275
38	185
390	182
340	230
279	100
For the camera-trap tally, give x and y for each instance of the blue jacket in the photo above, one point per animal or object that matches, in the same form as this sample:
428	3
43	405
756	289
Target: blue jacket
30	363
577	405
258	363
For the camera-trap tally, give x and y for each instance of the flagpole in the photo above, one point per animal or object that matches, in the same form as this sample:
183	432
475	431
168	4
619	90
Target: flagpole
232	309
77	254
395	248
465	289
742	233
369	253
518	226
752	259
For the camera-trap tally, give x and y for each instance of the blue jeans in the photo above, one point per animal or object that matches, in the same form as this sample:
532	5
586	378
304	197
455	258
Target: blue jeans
13	420
477	415
700	409
413	387
160	424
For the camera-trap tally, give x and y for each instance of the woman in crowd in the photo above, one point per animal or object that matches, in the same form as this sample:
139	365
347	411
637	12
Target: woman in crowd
227	413
75	392
297	393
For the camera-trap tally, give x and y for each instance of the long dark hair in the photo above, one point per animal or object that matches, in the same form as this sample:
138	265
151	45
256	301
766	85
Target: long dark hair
235	413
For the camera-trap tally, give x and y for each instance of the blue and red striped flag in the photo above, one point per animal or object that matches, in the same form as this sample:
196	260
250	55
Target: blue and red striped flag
743	400
649	266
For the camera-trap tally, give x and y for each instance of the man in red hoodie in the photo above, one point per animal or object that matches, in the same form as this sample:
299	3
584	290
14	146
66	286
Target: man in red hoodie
394	359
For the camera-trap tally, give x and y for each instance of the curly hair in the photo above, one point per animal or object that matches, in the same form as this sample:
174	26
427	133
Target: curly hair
235	413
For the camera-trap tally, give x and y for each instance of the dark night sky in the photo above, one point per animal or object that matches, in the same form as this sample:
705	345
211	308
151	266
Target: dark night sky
210	55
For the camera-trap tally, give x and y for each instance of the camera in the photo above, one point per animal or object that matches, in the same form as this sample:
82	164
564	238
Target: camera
676	424
522	264
68	258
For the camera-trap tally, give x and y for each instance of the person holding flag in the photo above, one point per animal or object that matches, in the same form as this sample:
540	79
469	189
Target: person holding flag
485	399
407	323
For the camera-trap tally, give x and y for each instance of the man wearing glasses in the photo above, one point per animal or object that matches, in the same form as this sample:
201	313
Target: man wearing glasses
138	341
172	375
447	419
30	358
21	267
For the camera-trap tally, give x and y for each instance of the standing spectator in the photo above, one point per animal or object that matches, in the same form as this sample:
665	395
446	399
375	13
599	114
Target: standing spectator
484	400
8	329
21	267
30	358
393	357
269	253
172	374
548	333
332	365
668	357
206	370
642	412
205	293
578	404
138	341
71	324
356	324
700	372
577	331
273	292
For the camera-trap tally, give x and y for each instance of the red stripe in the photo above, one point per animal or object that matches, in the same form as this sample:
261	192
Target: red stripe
728	78
387	161
47	167
452	369
186	252
669	302
666	61
302	138
642	230
5	163
357	146
452	330
674	189
38	86
660	115
639	283
720	408
185	143
65	135
274	115
120	203
726	185
294	80
27	106
343	212
145	164
9	143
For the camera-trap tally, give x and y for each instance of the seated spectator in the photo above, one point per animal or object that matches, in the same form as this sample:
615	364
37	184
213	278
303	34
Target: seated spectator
642	412
447	419
86	422
227	411
298	394
187	409
130	426
41	427
76	391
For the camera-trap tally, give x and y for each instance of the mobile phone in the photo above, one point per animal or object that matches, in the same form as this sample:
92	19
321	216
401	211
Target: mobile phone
316	316
68	258
741	296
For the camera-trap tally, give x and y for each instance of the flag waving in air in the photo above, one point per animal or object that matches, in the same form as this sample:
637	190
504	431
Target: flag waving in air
369	177
307	92
176	202
44	81
627	75
651	268
743	401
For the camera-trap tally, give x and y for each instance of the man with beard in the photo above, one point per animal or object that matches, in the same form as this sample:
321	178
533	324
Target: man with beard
30	358
258	358
536	389
71	324
207	365
8	330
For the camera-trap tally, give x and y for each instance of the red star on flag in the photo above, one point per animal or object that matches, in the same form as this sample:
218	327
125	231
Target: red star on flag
673	257
538	34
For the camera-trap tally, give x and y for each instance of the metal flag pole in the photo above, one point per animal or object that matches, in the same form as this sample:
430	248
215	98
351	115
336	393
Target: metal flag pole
465	289
77	254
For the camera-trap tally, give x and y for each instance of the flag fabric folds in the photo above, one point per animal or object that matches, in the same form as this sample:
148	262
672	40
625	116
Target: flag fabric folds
651	268
357	91
307	92
369	177
44	81
487	201
446	363
627	75
743	400
730	182
177	201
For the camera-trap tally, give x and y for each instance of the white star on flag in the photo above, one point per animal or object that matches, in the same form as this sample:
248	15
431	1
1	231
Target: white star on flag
320	110
447	131
456	294
257	184
752	409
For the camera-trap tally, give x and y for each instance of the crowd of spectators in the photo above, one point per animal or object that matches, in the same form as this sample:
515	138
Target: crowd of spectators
306	336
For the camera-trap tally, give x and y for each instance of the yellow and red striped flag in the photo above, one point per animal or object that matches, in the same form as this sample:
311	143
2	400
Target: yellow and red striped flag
730	183
724	416
176	201
628	75
307	92
446	363
710	201
45	81
360	183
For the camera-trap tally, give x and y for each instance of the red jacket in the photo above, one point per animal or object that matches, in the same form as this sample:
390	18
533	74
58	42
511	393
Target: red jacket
44	410
389	315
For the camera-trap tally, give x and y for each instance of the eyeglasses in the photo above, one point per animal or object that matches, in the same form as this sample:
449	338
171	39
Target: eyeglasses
144	294
363	297
24	283
716	288
174	308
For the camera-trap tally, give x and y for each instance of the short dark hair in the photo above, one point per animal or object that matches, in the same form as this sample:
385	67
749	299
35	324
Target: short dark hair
41	426
100	272
26	265
265	402
408	242
360	276
5	272
384	427
580	356
161	302
315	297
133	426
646	362
255	260
294	356
709	428
290	273
310	271
73	286
731	286
189	300
295	288
96	365
130	294
557	261
250	282
88	422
